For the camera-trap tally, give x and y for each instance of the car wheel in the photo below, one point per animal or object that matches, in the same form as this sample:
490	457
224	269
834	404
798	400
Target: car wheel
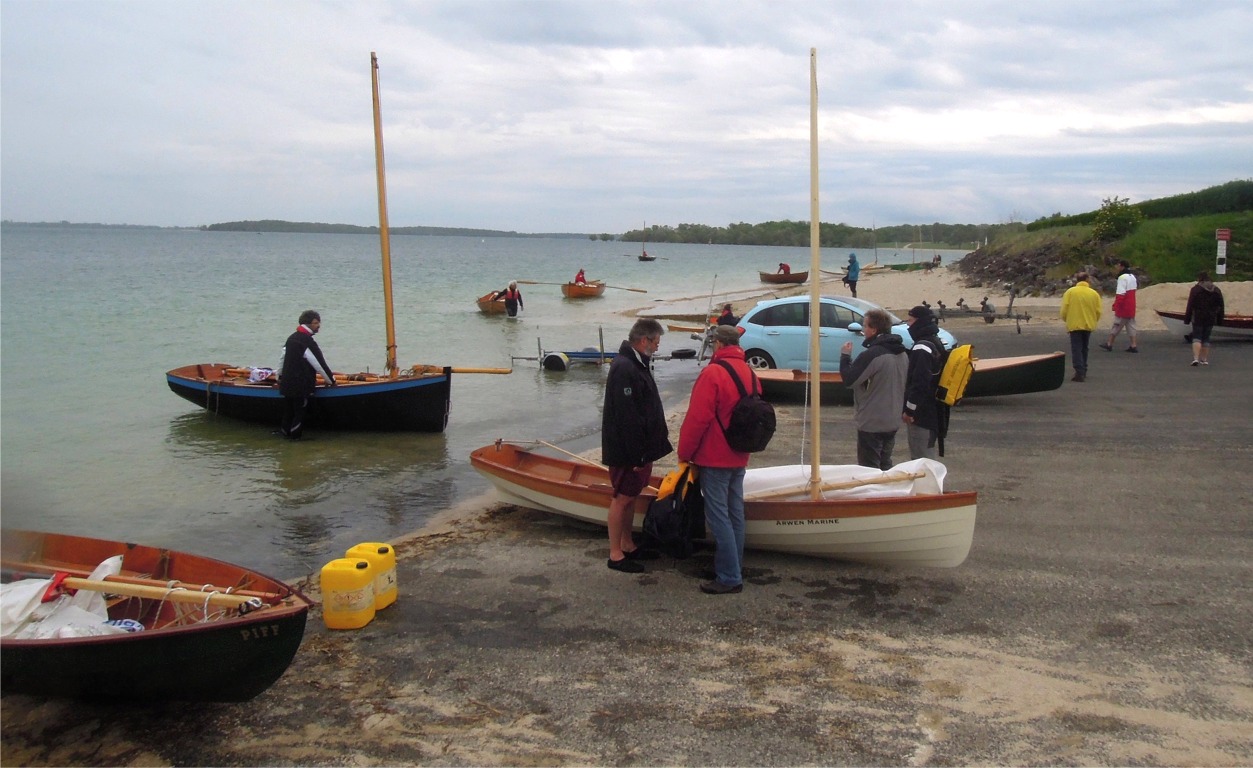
757	358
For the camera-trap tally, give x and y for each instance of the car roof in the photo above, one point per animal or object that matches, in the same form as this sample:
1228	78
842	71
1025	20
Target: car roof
861	305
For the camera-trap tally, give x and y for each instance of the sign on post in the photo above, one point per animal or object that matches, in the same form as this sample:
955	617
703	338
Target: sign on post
1222	236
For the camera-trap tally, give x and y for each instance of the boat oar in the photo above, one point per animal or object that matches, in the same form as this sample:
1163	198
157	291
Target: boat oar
537	282
620	288
218	599
457	369
839	486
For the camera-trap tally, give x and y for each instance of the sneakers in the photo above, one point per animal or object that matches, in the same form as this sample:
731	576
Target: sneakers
1079	377
626	565
718	588
1106	347
1195	363
1133	349
1205	362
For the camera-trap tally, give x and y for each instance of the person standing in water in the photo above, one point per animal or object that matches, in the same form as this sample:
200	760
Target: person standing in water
512	297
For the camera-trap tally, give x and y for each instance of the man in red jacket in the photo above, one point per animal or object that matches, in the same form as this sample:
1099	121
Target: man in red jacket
703	443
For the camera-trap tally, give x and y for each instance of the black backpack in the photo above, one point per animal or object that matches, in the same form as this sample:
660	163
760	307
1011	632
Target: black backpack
752	419
675	522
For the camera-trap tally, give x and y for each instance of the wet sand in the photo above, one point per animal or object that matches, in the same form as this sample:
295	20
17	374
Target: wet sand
1102	618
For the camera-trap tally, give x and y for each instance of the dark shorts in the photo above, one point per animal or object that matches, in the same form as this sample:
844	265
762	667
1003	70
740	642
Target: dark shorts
629	481
1201	333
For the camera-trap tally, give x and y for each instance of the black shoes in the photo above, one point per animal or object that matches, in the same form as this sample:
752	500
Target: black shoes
626	565
1079	377
1133	349
639	553
718	588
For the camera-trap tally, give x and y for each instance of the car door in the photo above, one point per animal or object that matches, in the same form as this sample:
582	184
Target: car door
833	322
786	329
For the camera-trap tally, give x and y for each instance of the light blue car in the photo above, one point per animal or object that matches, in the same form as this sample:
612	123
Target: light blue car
776	332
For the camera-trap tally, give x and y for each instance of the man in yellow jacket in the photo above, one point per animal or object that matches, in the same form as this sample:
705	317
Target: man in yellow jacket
1081	309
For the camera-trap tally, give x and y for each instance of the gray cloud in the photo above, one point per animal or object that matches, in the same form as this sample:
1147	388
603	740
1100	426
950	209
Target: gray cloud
597	116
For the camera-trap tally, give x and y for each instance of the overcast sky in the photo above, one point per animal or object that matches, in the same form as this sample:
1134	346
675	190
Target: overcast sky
599	116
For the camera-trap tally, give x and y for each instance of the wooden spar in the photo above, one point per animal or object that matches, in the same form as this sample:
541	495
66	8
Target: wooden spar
28	569
457	369
177	595
815	297
385	243
840	486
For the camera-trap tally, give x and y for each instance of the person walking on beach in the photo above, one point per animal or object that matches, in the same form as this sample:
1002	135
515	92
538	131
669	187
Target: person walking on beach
922	411
1081	310
703	443
512	297
877	379
1124	308
302	362
1204	311
852	273
633	435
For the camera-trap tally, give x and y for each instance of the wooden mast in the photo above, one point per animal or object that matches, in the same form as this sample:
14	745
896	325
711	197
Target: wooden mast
385	243
815	291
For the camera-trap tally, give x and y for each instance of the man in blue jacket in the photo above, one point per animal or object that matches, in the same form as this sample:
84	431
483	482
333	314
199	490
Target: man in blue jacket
877	378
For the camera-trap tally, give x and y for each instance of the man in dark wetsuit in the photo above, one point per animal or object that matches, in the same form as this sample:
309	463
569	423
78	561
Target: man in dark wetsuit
302	361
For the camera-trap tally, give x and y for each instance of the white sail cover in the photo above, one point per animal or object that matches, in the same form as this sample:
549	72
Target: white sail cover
846	481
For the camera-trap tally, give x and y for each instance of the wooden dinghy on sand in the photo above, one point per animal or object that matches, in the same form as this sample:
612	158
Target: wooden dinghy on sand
199	629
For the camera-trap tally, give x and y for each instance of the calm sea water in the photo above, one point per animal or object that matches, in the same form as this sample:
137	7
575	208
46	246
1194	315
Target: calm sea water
93	442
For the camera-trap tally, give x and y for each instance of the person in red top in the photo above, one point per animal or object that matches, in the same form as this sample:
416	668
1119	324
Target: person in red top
580	278
703	443
784	269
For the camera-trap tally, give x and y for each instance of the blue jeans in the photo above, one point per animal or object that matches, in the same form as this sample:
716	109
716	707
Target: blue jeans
723	489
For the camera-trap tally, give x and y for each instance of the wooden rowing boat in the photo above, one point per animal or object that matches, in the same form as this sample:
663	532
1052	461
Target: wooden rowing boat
918	525
222	632
993	377
1232	326
791	278
397	401
583	290
488	304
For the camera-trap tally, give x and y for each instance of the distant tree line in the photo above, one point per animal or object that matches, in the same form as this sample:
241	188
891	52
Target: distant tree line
1232	197
796	233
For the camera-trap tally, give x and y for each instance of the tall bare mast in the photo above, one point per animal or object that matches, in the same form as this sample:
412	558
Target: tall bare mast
815	291
385	242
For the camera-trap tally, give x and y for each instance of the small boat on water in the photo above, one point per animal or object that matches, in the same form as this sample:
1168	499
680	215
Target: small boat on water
791	278
992	377
488	304
863	515
1232	326
184	627
645	257
583	290
417	399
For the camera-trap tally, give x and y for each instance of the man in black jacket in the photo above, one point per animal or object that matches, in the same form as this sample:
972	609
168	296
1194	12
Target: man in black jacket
921	414
633	435
298	375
